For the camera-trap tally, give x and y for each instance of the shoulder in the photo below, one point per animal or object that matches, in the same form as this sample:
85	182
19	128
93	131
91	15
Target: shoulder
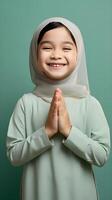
88	101
92	101
29	96
27	100
94	106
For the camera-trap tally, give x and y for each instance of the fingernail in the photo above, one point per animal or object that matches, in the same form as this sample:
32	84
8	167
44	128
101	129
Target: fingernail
58	90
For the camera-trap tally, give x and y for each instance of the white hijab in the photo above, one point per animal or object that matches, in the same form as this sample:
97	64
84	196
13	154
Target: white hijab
76	84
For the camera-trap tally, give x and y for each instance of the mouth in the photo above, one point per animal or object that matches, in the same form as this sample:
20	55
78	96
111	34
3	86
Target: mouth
56	65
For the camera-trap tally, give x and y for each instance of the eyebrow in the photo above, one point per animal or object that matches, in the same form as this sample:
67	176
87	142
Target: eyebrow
50	42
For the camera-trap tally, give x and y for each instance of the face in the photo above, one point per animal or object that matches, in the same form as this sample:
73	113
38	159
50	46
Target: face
56	54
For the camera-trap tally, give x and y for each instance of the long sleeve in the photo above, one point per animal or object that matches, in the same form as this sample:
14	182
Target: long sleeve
94	148
22	148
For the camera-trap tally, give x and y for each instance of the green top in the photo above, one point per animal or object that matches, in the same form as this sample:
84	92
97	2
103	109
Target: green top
58	168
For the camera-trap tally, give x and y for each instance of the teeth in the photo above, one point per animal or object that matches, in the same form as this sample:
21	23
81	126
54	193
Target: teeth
56	65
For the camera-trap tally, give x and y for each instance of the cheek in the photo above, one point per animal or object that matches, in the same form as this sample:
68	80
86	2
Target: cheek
42	56
74	57
39	61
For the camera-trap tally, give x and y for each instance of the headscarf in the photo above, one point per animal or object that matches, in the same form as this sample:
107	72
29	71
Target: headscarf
76	84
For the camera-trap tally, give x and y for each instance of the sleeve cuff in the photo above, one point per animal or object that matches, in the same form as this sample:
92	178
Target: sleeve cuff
40	140
77	141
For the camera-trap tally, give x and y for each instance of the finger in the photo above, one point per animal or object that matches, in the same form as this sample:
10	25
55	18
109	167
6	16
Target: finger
58	90
62	105
54	110
58	94
54	103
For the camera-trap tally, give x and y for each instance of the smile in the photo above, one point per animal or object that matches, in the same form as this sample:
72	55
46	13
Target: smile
56	65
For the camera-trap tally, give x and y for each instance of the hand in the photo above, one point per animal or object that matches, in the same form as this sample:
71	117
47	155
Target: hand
64	124
51	126
58	119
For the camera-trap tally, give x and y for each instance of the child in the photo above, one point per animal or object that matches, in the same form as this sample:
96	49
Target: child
59	130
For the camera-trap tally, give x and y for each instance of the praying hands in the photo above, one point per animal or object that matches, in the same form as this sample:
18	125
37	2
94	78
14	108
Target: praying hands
58	119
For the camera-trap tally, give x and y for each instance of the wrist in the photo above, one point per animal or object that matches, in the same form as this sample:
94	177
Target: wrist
67	131
49	132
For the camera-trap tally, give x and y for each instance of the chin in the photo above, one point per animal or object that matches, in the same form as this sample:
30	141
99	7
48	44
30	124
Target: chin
56	77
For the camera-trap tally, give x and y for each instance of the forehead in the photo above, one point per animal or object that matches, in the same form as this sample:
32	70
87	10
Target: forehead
57	34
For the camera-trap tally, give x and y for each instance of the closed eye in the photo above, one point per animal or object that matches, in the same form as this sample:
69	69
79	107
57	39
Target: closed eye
46	48
67	48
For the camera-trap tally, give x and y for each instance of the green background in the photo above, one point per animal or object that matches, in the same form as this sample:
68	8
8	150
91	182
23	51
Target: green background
18	20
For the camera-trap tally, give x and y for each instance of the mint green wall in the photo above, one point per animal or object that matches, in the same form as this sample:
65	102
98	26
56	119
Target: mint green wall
18	20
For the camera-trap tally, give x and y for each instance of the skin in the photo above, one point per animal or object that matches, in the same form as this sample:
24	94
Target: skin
58	119
56	54
56	59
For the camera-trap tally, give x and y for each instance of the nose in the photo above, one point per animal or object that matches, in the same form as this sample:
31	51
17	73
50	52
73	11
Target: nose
56	54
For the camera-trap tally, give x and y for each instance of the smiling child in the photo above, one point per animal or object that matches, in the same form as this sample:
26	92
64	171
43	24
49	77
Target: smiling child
58	131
